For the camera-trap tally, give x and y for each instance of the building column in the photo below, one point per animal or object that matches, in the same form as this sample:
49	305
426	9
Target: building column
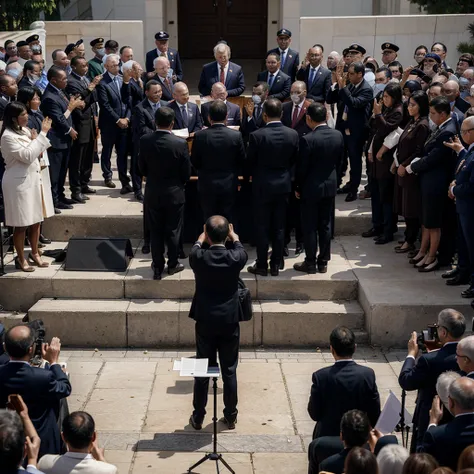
290	18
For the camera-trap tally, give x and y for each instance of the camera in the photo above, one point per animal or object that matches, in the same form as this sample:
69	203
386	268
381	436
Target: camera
428	339
39	332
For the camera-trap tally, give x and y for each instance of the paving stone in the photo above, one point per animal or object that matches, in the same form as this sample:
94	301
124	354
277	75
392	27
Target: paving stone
128	375
77	367
120	459
122	441
289	463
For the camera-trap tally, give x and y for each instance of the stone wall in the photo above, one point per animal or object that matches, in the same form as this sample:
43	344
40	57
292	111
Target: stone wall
336	33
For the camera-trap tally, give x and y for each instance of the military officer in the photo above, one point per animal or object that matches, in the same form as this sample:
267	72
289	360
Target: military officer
289	58
96	67
389	53
163	49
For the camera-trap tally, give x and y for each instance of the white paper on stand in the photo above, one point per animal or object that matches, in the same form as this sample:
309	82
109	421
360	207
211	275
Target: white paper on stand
193	367
182	133
390	415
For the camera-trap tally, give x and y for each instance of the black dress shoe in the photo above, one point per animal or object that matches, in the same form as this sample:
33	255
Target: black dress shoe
322	268
109	184
451	273
274	270
66	200
195	424
304	267
383	240
57	211
78	198
44	240
62	205
230	424
182	255
178	268
286	253
282	264
459	279
371	233
146	248
469	293
126	189
156	275
351	197
139	197
344	190
88	190
299	249
257	271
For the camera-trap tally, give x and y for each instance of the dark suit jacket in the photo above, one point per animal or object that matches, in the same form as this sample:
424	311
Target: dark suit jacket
173	57
41	389
54	106
446	443
281	85
164	161
321	83
143	121
217	267
218	154
234	81
287	118
4	101
167	93
337	389
292	62
233	114
194	117
464	189
249	126
272	152
35	120
83	120
359	105
132	92
112	107
25	82
320	151
422	376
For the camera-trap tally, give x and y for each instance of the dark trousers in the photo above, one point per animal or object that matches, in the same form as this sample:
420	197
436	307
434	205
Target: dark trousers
355	146
58	165
447	245
466	245
412	229
270	216
135	174
341	165
210	340
316	217
80	165
293	218
321	448
165	223
383	217
114	138
217	204
146	227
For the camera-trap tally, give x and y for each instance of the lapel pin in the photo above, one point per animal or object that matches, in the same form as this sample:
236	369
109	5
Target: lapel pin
290	56
171	54
230	70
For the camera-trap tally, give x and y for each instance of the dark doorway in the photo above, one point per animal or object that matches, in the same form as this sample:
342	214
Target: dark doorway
242	23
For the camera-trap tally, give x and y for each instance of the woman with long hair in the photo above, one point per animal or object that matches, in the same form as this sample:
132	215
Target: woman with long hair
22	185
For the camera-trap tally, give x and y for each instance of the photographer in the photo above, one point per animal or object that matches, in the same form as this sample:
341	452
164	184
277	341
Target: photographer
423	373
41	389
216	310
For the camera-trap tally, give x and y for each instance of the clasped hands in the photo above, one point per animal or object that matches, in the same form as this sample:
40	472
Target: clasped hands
232	236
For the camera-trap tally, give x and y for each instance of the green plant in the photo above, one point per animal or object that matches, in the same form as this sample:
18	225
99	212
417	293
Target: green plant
465	46
437	7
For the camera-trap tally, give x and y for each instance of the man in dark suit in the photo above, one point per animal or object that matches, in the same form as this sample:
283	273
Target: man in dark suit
278	82
218	154
222	70
271	153
294	116
316	185
336	390
132	85
315	75
163	50
216	310
446	442
219	92
31	74
252	116
82	152
54	105
423	373
290	59
187	114
41	389
164	161
114	120
357	100
465	356
143	123
164	75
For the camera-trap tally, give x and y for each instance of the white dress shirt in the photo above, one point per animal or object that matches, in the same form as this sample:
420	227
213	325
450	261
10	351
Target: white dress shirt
226	70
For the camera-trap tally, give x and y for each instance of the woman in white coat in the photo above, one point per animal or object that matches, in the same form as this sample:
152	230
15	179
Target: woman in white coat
23	190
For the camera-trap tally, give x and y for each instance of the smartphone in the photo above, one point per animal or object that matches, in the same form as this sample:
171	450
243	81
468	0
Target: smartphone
15	402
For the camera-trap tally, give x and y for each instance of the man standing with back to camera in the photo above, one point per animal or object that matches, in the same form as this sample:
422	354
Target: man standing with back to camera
216	310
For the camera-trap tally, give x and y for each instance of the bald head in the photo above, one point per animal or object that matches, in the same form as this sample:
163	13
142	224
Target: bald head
333	58
181	93
218	91
461	394
19	342
217	229
467	129
451	90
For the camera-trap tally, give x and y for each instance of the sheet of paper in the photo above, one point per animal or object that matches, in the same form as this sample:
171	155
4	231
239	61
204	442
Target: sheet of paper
234	127
193	367
390	415
177	365
182	133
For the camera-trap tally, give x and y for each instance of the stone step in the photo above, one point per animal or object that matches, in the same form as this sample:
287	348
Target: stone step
159	323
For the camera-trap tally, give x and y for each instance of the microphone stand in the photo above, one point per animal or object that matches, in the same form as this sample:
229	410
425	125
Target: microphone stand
402	427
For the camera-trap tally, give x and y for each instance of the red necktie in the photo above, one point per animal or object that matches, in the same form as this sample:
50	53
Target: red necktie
222	77
296	113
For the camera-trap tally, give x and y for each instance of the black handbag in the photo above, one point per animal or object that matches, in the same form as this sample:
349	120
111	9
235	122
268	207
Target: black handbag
245	301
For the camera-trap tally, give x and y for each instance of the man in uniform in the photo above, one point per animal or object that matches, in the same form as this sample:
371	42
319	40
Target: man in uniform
389	53
356	53
96	67
163	49
289	58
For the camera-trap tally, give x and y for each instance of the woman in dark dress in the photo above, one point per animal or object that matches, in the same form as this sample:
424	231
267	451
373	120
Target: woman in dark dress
384	122
407	198
408	89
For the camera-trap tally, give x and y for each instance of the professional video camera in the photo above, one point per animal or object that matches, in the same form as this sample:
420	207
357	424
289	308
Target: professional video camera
428	339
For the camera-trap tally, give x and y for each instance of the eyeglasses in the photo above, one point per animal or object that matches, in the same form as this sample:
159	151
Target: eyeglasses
464	357
463	132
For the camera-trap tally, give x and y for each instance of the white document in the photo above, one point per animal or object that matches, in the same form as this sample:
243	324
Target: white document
234	127
193	367
182	133
390	415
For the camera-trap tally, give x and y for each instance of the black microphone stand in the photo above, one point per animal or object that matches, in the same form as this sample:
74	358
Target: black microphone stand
402	426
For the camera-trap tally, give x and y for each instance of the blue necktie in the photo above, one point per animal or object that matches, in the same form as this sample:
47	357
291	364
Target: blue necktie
283	58
184	113
311	77
270	81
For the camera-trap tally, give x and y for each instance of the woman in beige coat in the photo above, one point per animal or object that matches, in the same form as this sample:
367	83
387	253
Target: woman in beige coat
22	186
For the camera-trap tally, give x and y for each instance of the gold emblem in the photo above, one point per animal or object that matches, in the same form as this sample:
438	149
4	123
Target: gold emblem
230	70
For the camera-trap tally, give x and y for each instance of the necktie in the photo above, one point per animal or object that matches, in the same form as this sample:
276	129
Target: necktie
258	111
295	116
222	76
270	81
283	58
63	96
85	82
184	113
168	84
311	77
116	82
163	55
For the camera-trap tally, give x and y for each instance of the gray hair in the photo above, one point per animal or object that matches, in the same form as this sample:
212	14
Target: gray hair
444	383
335	55
112	56
391	459
221	48
461	394
453	321
160	58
